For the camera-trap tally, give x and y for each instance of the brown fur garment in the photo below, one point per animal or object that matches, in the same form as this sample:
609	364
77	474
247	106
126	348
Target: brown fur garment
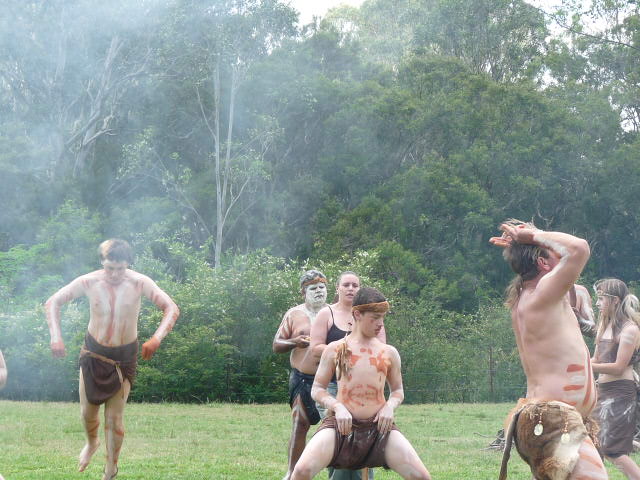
547	456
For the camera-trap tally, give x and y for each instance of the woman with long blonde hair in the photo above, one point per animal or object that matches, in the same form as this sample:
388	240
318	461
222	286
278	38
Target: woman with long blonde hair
617	349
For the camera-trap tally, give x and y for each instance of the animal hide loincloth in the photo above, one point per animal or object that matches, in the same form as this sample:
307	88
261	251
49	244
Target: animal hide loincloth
363	447
547	436
105	368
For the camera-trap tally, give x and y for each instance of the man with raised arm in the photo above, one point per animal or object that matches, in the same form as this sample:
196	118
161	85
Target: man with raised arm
108	358
551	426
293	336
359	431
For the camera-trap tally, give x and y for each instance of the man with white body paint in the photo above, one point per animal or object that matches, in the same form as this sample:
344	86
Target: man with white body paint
293	336
108	358
551	425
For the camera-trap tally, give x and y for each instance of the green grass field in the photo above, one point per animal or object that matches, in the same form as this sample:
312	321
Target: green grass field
243	442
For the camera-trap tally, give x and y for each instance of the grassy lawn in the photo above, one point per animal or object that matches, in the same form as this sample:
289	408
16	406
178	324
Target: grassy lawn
243	442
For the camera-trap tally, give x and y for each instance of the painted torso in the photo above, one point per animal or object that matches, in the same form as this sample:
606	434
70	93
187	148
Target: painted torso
300	319
362	389
554	356
114	309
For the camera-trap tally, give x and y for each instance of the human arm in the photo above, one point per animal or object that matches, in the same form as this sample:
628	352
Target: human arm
629	338
586	318
170	315
573	253
284	340
3	371
52	308
319	392
385	415
319	331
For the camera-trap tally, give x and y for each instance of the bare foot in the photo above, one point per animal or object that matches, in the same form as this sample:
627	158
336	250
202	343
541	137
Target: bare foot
111	475
85	455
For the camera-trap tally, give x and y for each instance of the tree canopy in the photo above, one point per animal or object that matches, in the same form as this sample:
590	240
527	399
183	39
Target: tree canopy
233	148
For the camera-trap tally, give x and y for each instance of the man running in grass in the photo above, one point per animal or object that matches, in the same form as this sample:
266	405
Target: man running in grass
551	426
293	336
108	358
359	431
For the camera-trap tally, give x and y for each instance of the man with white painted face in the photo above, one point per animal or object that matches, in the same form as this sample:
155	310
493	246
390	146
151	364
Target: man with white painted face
293	336
108	358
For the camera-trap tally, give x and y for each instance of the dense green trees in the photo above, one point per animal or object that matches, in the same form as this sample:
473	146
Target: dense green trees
234	149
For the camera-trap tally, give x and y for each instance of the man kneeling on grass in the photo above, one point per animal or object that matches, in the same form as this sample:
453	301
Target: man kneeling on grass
359	431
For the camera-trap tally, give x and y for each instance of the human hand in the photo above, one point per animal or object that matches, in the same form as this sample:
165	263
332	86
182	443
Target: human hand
343	418
384	418
149	348
302	341
57	349
520	232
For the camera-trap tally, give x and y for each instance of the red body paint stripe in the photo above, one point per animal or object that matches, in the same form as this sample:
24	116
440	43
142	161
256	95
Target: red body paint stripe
573	387
575	368
590	459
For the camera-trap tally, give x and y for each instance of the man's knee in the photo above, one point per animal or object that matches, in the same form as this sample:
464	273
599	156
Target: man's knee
300	420
114	422
89	414
302	471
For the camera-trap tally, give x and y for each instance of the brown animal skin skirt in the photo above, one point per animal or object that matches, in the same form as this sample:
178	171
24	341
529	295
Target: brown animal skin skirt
616	413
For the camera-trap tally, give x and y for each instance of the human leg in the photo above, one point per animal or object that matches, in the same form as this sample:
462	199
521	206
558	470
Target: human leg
316	455
589	466
299	431
91	423
402	458
626	465
114	429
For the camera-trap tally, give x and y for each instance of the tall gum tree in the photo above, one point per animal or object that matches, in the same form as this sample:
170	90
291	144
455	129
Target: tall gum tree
212	46
64	68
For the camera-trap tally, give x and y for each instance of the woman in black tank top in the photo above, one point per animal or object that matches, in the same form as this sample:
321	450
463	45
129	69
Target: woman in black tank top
334	321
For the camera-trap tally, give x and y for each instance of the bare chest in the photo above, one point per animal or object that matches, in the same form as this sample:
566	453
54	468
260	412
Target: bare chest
370	364
300	323
108	301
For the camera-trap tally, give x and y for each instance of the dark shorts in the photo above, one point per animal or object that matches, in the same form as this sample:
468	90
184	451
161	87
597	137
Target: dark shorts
616	413
101	378
300	385
363	447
